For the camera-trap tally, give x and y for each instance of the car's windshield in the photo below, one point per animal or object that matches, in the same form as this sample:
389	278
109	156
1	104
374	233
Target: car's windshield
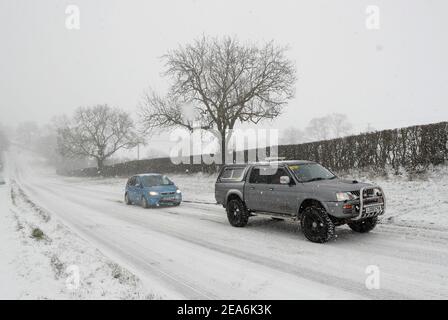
311	172
155	180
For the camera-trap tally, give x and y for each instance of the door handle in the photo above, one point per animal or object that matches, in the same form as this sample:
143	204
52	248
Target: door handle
271	189
252	188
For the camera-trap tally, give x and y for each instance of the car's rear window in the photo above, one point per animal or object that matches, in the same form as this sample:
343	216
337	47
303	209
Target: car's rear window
232	174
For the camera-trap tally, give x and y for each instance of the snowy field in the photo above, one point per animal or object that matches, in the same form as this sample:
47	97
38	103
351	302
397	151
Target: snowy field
126	252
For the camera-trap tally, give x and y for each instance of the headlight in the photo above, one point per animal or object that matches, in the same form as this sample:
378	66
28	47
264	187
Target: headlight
153	193
343	196
377	192
178	191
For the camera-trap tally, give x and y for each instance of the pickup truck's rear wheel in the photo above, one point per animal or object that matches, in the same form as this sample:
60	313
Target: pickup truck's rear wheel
237	213
363	226
317	225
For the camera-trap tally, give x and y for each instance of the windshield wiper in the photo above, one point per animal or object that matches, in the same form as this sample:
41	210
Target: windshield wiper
315	179
320	178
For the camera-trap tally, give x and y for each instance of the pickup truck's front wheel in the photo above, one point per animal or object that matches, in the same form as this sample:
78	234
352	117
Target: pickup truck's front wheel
237	213
317	225
363	226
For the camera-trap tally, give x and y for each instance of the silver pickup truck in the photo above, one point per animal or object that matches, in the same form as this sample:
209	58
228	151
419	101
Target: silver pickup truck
301	190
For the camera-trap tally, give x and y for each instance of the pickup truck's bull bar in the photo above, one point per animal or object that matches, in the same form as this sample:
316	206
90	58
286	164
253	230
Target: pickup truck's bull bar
362	206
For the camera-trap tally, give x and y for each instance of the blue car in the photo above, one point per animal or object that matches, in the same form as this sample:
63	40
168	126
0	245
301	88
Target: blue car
152	190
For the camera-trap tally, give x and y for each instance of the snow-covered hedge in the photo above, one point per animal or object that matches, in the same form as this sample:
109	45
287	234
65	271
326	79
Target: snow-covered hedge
412	149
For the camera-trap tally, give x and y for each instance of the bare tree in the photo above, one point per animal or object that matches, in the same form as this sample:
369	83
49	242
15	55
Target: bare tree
96	132
317	129
27	133
293	135
369	128
4	144
331	126
4	140
339	124
219	82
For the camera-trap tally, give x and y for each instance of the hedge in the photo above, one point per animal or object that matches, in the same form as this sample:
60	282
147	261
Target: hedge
412	149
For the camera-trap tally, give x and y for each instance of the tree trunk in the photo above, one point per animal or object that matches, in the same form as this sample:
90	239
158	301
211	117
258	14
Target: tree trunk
223	147
100	165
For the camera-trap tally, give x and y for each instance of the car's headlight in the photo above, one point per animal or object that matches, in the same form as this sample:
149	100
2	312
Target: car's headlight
153	193
178	191
344	196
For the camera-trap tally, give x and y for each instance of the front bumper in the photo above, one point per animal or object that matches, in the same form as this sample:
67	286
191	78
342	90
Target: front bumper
361	208
164	200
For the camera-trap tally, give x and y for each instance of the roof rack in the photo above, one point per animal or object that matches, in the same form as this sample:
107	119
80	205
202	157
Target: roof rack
269	159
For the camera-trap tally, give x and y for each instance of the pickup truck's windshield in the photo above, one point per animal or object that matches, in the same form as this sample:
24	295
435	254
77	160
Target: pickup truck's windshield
311	172
155	180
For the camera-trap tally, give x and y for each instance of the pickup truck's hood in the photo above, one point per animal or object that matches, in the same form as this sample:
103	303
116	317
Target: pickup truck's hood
337	185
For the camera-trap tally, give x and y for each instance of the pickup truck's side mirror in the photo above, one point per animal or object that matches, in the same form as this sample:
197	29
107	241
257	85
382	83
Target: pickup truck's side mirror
284	180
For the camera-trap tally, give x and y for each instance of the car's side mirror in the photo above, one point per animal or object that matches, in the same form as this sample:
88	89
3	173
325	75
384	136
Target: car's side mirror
285	180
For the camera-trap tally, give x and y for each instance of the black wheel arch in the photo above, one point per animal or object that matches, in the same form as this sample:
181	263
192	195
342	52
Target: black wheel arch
233	196
310	202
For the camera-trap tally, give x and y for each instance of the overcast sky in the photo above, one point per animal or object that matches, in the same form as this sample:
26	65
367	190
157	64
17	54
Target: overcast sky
391	77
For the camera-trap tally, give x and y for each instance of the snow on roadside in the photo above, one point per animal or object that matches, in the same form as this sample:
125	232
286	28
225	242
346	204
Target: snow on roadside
11	283
40	258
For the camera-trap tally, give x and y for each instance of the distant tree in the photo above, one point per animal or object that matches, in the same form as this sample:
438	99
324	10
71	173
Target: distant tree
4	141
96	132
293	135
4	144
219	82
331	126
155	153
339	125
369	128
318	129
27	133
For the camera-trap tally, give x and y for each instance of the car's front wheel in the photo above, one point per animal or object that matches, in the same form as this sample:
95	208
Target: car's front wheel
363	226
316	225
144	203
127	200
237	213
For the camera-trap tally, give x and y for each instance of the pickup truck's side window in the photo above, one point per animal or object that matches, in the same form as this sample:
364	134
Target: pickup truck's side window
257	177
275	179
266	175
232	174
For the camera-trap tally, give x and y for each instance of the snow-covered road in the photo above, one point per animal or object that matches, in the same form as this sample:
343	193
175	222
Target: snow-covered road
192	252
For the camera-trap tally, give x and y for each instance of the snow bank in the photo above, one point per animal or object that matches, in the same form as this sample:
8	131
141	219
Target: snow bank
42	259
